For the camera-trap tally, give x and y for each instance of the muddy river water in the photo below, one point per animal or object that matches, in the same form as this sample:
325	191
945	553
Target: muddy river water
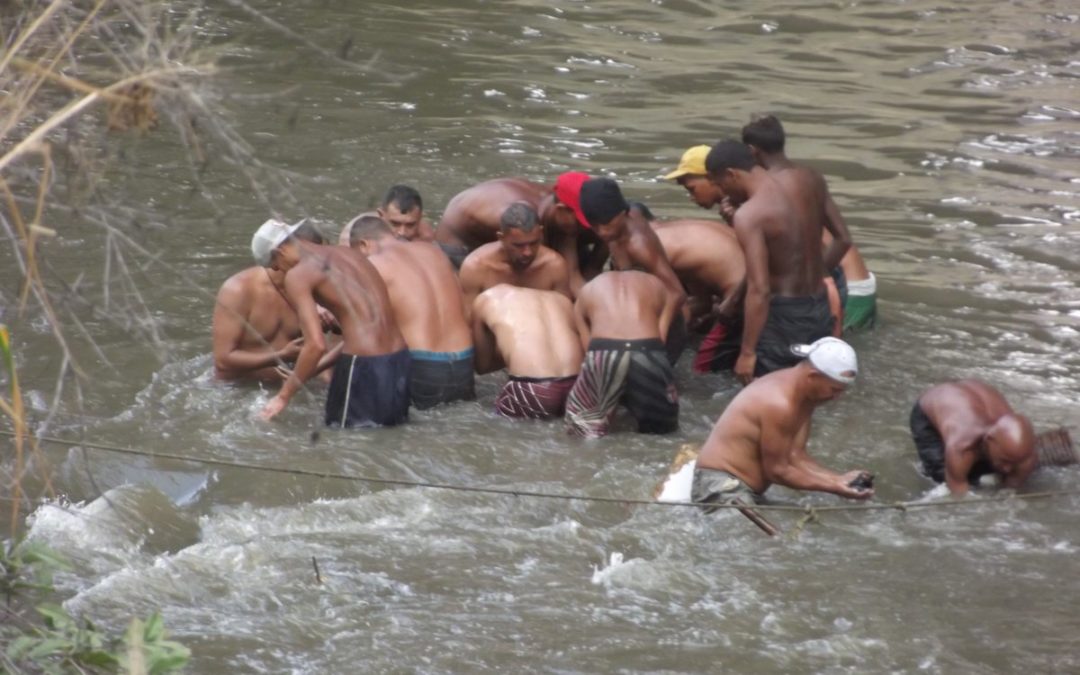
950	136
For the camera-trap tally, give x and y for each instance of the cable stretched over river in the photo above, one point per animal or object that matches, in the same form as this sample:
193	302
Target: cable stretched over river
508	492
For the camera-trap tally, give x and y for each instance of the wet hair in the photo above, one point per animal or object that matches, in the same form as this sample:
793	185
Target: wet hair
765	133
729	154
368	228
308	232
404	197
518	216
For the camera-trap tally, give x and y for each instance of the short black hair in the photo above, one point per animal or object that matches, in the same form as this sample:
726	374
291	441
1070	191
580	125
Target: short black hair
308	232
367	228
765	133
518	216
729	154
601	201
404	197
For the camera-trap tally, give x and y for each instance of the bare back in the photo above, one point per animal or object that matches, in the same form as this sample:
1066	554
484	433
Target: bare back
472	216
344	282
705	254
781	210
962	411
534	330
425	295
625	306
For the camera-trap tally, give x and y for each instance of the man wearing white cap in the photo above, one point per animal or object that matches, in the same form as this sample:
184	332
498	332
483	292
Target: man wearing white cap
760	439
370	384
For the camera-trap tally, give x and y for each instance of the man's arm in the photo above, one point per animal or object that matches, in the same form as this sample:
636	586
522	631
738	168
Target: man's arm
959	458
784	461
471	277
299	284
756	304
486	354
649	254
230	310
581	320
835	225
560	275
1020	472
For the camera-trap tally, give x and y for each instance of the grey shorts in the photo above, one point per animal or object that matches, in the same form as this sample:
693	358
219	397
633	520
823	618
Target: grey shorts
720	487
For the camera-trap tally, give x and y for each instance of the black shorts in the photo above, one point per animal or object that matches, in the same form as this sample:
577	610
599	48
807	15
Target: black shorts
636	373
441	377
792	321
931	448
456	252
677	337
369	391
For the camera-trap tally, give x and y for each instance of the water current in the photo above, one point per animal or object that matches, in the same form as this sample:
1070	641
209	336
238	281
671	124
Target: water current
949	135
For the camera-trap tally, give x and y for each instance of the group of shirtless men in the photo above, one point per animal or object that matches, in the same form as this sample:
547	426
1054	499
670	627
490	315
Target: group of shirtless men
587	301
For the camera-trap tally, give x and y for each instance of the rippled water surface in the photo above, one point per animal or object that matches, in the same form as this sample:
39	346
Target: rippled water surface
949	134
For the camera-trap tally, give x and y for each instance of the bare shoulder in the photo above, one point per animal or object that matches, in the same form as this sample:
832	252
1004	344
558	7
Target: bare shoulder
241	283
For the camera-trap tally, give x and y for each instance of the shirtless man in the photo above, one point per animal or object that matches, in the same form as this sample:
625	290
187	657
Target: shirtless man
531	333
370	384
402	209
622	318
966	429
428	308
633	246
473	218
761	437
255	329
855	284
708	260
786	302
517	258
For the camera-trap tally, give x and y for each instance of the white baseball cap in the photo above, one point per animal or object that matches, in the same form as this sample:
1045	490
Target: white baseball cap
268	237
832	357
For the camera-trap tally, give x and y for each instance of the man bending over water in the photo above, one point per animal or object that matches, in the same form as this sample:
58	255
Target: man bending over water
761	437
623	318
531	333
428	308
370	385
966	429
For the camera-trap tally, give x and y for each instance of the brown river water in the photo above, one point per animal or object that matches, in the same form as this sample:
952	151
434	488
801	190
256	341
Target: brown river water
949	134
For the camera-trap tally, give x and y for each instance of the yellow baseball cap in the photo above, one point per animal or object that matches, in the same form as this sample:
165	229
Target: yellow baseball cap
692	163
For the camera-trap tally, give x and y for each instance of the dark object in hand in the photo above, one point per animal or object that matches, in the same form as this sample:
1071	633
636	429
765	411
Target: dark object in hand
864	481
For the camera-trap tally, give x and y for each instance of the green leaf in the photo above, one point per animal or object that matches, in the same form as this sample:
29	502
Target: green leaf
20	646
155	628
49	647
99	658
175	661
55	616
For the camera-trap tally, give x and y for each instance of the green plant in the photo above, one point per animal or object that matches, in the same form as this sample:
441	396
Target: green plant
61	643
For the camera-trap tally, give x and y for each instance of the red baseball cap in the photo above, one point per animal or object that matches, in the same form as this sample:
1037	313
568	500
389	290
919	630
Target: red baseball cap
568	191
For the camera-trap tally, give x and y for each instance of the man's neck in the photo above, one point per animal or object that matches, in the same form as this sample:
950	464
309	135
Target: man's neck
777	161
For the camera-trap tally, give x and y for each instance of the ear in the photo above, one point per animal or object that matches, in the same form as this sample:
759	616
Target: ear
499	235
381	212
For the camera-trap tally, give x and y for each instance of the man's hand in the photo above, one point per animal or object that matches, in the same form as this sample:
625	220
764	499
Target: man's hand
727	210
744	368
328	320
844	488
291	349
272	408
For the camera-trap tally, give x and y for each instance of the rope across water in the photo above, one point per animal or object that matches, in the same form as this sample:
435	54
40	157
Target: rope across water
508	492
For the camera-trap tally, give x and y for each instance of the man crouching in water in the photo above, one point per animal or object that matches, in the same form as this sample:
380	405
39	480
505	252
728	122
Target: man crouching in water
761	437
370	386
